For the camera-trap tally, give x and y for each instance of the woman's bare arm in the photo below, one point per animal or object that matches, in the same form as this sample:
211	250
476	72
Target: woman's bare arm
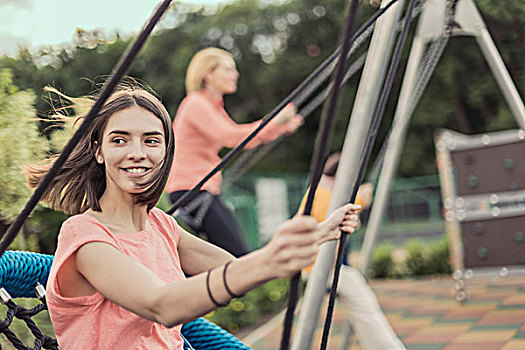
134	287
197	255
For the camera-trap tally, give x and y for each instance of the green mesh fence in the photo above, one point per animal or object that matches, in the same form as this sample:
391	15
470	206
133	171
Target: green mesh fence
414	208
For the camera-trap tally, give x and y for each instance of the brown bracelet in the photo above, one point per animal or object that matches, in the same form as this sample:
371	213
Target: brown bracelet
209	291
232	294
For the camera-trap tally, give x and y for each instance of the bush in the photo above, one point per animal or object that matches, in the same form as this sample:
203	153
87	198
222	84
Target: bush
382	263
427	259
21	143
438	257
248	310
415	262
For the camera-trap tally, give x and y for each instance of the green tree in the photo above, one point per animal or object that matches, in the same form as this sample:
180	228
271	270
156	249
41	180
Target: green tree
20	142
276	45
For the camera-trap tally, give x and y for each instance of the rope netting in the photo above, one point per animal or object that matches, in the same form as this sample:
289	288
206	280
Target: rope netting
22	275
14	310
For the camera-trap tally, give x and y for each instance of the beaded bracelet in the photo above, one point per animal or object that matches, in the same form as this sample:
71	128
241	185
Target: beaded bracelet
232	294
209	291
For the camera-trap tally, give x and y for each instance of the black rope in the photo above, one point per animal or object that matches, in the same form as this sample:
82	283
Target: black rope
24	314
121	69
376	120
320	152
188	196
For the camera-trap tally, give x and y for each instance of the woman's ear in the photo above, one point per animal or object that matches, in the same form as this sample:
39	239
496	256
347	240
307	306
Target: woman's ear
204	81
98	154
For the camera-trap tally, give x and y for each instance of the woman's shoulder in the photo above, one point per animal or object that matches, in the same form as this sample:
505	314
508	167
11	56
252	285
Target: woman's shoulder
82	228
197	96
163	221
78	220
82	224
195	100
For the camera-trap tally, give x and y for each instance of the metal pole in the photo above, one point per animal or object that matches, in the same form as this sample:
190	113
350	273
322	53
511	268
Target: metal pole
430	27
366	99
393	151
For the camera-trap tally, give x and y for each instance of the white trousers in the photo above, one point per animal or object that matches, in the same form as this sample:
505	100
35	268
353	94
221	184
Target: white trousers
365	314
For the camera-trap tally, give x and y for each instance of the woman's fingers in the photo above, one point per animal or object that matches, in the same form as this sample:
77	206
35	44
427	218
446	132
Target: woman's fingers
300	223
345	218
285	114
293	246
349	226
351	210
294	123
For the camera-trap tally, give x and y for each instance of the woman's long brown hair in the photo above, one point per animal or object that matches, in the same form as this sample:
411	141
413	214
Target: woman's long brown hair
82	181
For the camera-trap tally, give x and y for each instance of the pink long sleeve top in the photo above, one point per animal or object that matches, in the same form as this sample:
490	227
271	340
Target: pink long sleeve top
202	128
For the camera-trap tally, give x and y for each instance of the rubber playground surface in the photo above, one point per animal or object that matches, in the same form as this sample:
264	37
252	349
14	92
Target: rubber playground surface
425	315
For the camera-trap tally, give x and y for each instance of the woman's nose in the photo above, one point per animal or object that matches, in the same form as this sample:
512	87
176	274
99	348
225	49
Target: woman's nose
136	151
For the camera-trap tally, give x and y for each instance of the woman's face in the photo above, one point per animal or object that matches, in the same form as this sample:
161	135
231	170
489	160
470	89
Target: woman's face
133	145
224	77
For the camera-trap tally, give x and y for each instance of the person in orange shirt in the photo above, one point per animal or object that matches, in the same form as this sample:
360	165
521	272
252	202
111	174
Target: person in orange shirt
364	312
323	194
202	128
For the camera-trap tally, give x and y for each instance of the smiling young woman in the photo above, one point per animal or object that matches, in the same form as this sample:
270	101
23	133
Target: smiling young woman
118	279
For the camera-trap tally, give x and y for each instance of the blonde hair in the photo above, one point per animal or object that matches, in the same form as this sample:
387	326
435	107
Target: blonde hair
203	62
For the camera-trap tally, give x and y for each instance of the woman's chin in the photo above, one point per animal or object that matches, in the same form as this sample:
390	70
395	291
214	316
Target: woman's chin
231	91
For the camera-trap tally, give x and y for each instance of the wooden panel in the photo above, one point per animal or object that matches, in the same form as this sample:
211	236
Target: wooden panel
490	169
494	242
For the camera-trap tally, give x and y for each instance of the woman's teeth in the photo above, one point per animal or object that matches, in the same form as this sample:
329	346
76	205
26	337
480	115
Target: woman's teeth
136	170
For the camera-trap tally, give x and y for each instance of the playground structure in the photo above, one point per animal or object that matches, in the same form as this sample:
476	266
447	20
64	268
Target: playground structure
482	181
439	20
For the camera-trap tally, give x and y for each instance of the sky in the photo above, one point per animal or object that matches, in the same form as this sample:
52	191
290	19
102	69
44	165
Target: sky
36	23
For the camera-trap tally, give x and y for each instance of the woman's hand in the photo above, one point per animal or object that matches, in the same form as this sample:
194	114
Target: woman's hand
345	218
288	112
291	248
294	123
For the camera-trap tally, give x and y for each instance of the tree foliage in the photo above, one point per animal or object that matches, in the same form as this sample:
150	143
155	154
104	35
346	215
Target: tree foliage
20	142
276	45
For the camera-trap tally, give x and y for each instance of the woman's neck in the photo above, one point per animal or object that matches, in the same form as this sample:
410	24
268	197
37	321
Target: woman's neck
213	93
121	215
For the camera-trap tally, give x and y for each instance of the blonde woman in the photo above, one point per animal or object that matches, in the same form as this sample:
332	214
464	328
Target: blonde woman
202	128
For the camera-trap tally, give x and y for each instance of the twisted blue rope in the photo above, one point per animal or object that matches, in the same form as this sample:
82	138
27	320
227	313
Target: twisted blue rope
203	334
20	271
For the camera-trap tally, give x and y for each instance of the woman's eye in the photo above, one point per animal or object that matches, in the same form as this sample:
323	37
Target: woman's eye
118	141
152	141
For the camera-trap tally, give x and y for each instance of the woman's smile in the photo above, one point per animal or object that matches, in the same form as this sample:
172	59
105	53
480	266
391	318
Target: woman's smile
136	171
